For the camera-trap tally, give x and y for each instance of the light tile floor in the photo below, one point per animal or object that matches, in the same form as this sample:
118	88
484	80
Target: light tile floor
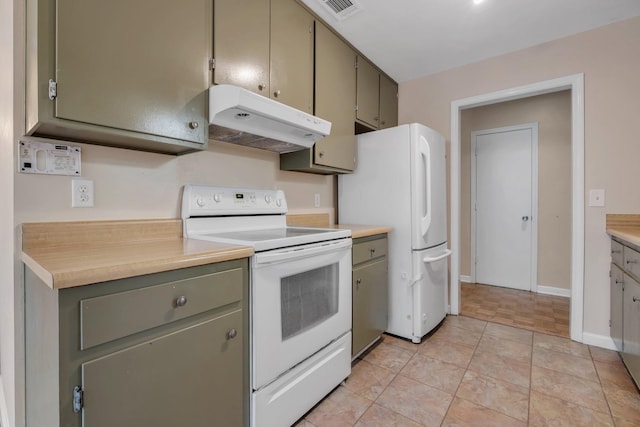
470	372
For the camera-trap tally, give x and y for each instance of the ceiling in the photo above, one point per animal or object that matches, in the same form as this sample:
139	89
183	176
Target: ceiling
408	39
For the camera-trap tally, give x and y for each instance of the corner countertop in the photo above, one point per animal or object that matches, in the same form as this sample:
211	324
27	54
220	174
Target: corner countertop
69	254
625	227
358	231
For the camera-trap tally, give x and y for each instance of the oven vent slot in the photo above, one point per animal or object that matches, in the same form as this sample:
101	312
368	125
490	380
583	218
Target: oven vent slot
341	9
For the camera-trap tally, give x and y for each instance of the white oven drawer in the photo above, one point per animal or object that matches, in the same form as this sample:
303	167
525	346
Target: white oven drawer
289	397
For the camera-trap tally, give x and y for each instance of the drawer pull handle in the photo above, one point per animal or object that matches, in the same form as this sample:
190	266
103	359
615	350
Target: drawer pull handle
616	251
632	261
373	251
635	299
231	334
358	281
181	301
619	282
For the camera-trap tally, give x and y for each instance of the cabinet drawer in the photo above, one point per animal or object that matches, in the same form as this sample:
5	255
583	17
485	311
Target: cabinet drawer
369	250
616	253
109	317
631	261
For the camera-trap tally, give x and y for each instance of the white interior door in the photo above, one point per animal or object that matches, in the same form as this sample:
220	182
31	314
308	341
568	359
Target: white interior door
504	193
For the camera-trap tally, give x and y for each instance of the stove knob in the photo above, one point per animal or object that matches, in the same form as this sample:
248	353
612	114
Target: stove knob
200	201
217	198
267	198
279	202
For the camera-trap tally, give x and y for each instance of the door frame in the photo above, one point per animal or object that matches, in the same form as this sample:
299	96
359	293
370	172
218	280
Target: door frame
533	278
575	83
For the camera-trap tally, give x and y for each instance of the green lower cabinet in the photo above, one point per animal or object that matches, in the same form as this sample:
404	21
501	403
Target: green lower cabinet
370	292
171	349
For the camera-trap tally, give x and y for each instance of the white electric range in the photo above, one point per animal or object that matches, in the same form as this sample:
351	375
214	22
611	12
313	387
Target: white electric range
300	296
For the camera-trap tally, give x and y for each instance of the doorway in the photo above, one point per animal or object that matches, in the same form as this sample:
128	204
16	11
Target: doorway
575	84
504	189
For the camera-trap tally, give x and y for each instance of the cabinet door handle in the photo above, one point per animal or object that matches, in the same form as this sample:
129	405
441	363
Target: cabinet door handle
193	125
231	334
358	281
619	282
616	252
181	301
632	261
373	251
262	87
276	93
321	154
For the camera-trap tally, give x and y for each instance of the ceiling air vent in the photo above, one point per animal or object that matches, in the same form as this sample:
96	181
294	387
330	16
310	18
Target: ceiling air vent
341	9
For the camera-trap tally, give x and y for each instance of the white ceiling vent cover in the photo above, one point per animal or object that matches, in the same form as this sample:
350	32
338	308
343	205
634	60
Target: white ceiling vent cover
341	9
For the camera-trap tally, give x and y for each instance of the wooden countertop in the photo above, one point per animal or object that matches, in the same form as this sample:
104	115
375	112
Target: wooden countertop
625	227
362	230
68	254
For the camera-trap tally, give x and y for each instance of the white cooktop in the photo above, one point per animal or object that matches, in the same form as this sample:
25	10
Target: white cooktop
246	217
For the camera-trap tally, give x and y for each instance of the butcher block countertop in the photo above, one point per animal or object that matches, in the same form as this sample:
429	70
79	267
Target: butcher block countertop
625	227
68	254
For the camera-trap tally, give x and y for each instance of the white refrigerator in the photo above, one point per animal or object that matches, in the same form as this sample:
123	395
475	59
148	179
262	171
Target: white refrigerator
400	181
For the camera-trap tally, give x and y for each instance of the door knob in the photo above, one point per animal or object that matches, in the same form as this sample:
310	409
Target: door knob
525	218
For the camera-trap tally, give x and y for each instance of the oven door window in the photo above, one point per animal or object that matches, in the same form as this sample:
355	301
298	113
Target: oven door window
308	298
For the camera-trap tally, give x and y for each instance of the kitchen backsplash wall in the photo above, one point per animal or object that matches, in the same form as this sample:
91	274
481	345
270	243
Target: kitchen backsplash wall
132	184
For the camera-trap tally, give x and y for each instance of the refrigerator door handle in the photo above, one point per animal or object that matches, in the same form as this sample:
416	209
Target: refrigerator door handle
425	155
445	254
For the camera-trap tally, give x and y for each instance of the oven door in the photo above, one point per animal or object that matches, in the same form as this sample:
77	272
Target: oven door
301	302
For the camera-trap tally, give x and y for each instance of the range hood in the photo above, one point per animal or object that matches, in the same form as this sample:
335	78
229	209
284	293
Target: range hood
239	116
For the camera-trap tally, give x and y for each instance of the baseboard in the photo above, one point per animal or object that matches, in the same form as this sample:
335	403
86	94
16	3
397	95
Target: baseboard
559	292
4	413
602	341
465	279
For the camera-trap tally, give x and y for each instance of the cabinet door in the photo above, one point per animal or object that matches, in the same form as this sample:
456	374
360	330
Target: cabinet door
137	66
335	96
631	327
369	304
241	44
617	284
388	103
192	377
367	93
291	55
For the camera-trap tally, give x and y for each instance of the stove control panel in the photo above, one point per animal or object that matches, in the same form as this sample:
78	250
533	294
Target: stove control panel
200	200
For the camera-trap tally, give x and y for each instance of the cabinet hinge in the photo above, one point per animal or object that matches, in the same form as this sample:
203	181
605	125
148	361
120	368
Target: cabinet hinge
53	89
78	401
212	64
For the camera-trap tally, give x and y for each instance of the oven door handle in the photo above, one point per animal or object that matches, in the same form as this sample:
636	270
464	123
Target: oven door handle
288	255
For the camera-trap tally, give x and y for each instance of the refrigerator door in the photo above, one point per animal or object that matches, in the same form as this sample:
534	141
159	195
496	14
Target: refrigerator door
429	290
428	188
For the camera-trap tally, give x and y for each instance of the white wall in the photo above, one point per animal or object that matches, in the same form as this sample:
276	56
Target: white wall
609	57
7	294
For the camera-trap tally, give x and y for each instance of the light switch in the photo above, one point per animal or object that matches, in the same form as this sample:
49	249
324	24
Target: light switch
596	198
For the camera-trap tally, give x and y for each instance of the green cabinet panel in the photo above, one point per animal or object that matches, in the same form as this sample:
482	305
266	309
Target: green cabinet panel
291	55
369	292
241	44
164	304
190	370
265	46
174	380
369	305
131	75
388	102
335	89
368	93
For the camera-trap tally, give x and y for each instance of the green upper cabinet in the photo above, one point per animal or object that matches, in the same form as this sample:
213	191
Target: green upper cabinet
241	44
377	98
335	89
265	46
388	102
127	74
367	98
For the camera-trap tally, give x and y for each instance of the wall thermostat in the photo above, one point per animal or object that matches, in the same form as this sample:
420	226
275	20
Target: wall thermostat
46	158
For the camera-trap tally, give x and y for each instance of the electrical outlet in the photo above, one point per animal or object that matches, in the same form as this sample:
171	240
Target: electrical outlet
81	193
316	200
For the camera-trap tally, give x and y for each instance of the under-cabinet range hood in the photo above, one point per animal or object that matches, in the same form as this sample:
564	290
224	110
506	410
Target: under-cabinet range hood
239	116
